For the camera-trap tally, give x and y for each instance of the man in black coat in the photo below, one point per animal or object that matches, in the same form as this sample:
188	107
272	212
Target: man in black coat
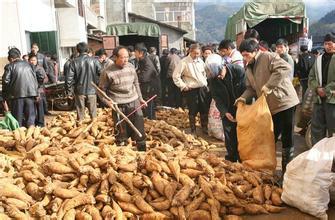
227	83
19	86
83	71
164	61
147	75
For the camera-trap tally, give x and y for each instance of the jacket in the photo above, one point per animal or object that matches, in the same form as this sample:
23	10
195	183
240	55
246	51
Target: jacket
226	91
272	71
83	71
40	76
42	61
174	61
304	65
146	70
287	57
315	80
19	80
164	61
155	60
190	73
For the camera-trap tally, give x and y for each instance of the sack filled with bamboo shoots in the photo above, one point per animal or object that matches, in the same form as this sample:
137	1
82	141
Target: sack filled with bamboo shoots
256	142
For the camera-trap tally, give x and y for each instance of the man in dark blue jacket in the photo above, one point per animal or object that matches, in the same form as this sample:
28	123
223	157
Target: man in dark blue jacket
226	83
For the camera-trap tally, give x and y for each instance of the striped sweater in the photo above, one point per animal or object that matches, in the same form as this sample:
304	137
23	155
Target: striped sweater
121	85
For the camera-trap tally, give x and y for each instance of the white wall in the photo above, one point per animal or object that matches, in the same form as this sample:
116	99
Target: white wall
71	27
39	15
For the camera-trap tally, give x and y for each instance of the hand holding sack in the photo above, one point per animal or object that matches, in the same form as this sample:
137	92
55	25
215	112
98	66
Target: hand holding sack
256	142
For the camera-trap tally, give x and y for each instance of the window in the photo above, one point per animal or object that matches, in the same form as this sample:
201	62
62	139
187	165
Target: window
80	8
173	12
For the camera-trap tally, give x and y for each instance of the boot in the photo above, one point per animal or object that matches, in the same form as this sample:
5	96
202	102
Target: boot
141	147
204	123
192	124
287	156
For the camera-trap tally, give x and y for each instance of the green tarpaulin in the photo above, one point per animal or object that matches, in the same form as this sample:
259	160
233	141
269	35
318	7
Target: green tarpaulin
256	11
138	28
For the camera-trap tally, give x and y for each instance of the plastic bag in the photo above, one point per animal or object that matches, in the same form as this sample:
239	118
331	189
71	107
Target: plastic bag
256	142
215	127
308	178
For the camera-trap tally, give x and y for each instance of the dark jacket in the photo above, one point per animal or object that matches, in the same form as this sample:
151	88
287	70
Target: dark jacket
155	60
19	80
146	70
51	73
40	76
42	61
226	91
304	65
165	62
66	68
83	71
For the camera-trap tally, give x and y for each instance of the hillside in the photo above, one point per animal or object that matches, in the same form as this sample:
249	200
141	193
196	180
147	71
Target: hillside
325	25
210	22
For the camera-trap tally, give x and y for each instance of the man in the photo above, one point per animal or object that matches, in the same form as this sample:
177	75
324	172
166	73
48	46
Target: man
132	57
103	59
157	84
282	49
164	61
120	82
322	82
190	77
147	75
206	51
268	74
305	62
40	76
227	83
41	59
230	53
174	93
19	86
83	71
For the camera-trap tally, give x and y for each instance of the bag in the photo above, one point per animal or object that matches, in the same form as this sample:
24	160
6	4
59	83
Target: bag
307	105
256	142
308	178
215	127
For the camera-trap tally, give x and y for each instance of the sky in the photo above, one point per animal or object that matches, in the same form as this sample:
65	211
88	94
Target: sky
310	2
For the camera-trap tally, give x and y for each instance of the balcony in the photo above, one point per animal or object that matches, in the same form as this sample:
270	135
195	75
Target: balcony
65	3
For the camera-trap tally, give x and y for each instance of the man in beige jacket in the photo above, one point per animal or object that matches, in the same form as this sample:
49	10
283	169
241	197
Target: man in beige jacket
269	74
190	77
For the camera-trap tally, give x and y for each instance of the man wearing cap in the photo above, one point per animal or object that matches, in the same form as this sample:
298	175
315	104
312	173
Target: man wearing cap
226	83
322	82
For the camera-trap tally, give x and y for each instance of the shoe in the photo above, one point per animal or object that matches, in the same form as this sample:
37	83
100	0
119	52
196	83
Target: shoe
142	147
47	113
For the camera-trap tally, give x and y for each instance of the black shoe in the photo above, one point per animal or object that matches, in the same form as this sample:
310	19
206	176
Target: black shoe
47	113
141	147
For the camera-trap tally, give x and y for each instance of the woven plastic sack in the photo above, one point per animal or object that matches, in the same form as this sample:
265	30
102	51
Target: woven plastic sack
215	127
308	178
256	142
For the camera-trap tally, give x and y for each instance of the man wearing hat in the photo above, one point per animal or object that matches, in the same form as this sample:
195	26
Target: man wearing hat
322	82
226	83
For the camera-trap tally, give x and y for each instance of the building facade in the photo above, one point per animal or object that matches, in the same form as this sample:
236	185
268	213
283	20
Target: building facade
56	25
177	13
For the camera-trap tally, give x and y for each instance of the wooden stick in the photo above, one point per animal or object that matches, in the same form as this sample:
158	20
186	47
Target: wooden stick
116	108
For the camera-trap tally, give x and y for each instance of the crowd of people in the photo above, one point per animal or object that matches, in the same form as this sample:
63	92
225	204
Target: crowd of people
221	72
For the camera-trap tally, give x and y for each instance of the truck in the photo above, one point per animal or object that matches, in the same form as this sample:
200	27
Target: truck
273	19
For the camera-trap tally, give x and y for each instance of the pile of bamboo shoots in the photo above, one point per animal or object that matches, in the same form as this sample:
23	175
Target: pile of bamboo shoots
177	117
71	171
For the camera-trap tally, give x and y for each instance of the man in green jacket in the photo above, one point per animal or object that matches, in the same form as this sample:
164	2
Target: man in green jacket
322	82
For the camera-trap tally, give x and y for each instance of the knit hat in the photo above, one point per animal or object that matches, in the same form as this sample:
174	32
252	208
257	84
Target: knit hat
214	63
